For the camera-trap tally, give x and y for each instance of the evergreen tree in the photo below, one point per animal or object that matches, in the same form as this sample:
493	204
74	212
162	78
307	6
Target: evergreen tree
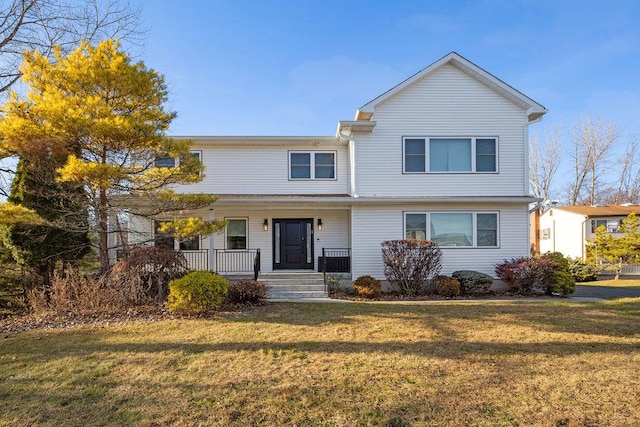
63	236
97	119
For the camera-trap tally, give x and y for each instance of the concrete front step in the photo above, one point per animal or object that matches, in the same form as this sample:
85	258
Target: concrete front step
294	285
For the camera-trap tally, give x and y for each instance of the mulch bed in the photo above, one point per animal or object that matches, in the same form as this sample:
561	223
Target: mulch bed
13	323
395	296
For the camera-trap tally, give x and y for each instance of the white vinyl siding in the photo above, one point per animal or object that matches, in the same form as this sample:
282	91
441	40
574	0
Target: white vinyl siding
374	224
444	104
256	169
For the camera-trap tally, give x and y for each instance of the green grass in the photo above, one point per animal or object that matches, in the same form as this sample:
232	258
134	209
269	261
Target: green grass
620	283
336	364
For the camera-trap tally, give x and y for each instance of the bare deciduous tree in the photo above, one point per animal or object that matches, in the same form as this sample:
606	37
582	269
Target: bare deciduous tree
592	143
43	24
545	160
628	186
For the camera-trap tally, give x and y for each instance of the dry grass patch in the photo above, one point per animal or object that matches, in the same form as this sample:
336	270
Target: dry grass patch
336	365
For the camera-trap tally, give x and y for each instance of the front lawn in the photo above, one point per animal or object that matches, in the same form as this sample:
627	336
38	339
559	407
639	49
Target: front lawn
335	364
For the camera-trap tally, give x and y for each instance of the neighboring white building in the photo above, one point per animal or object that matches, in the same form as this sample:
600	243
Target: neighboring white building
441	156
568	229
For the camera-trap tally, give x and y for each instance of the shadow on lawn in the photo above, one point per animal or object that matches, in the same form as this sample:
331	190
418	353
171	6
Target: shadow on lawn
608	318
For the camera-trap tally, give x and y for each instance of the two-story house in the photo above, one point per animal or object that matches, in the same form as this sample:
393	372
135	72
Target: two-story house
568	229
441	156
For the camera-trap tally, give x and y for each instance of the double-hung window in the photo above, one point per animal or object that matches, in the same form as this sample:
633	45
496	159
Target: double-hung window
471	229
312	165
236	233
438	155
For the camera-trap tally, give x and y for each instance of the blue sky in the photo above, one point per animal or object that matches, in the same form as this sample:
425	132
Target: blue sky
271	67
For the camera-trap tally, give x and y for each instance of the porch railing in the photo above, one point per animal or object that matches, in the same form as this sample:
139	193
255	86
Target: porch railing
334	260
237	261
197	260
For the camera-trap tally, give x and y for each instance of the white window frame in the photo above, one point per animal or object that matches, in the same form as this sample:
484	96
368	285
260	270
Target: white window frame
226	241
474	155
312	165
474	216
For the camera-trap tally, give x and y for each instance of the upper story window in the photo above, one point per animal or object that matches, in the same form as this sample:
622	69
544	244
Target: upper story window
471	229
612	225
312	165
449	155
172	162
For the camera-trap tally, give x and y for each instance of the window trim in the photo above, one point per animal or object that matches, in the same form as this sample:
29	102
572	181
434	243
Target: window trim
474	224
312	164
474	156
226	241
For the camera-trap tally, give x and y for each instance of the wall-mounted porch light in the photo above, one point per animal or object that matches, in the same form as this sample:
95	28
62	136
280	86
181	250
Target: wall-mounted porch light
265	225
319	224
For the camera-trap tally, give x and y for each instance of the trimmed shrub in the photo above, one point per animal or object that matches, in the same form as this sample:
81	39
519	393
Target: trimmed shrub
411	264
247	292
562	281
527	275
582	272
448	287
196	292
367	287
473	282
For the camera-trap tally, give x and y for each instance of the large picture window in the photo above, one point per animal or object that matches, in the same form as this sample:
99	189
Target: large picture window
236	233
470	229
312	165
450	155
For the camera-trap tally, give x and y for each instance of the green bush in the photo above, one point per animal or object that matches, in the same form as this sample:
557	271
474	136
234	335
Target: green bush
196	292
473	282
582	271
247	292
562	281
448	287
367	287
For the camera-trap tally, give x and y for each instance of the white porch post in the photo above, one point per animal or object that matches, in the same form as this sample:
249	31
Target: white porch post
211	245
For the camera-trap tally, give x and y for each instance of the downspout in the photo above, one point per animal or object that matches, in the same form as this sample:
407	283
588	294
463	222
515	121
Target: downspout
584	239
352	162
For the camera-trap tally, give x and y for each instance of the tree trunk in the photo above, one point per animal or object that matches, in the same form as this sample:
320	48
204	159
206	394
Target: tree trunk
103	231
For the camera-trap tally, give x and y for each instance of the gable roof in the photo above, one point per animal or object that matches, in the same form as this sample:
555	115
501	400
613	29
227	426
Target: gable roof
614	210
535	111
